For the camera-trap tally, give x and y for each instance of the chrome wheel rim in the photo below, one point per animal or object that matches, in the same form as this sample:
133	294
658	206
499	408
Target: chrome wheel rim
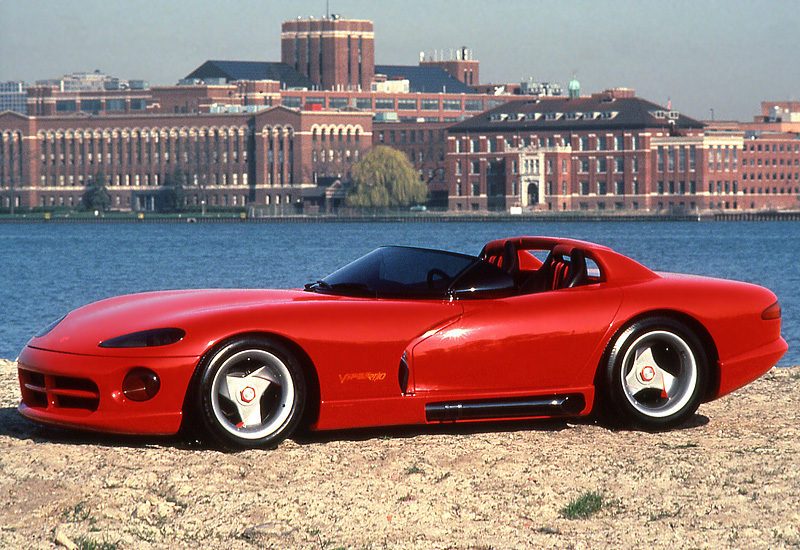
252	393
659	373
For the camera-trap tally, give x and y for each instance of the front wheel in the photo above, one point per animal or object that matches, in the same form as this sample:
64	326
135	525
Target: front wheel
251	393
656	374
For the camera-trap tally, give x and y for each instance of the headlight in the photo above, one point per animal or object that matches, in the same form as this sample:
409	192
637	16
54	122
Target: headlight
50	327
146	338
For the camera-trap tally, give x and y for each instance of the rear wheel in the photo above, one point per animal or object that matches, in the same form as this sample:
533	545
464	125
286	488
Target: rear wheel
656	374
251	393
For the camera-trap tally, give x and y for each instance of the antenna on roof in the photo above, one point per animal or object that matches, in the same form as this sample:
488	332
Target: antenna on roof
327	9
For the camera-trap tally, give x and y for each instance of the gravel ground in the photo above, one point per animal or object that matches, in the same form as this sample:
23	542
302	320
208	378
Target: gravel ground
730	478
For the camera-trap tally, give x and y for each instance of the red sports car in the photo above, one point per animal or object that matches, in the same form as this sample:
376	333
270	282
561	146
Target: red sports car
531	327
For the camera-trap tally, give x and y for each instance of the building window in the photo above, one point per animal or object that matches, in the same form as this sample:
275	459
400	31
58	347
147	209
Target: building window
406	104
451	104
473	105
475	167
66	106
115	104
474	145
619	164
584	165
384	104
429	104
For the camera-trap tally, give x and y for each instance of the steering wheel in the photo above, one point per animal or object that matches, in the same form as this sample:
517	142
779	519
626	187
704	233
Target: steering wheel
444	279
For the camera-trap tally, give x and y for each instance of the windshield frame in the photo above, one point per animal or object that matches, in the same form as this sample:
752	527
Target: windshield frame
380	274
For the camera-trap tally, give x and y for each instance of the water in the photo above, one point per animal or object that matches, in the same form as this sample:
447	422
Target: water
49	269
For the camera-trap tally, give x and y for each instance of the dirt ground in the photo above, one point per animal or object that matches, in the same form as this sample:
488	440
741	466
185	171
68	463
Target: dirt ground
730	478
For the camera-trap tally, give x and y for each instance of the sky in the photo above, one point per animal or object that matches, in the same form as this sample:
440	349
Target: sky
701	55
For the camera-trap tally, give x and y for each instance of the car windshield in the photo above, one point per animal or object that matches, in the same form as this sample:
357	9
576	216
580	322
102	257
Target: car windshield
397	271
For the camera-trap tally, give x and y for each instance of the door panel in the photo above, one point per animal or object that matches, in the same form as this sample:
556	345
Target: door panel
523	343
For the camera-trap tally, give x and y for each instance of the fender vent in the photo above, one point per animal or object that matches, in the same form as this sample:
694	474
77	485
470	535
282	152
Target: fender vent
402	375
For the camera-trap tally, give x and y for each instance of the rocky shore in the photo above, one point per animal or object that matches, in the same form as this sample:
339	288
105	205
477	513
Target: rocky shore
730	478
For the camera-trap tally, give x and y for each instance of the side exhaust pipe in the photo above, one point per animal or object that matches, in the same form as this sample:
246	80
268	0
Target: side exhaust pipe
521	407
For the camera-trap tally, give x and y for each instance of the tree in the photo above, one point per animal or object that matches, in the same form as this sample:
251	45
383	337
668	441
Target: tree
385	178
96	196
173	195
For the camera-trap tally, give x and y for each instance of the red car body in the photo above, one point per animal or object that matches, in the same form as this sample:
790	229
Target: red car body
378	361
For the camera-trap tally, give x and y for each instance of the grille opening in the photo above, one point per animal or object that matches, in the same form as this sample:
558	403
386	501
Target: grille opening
42	391
78	384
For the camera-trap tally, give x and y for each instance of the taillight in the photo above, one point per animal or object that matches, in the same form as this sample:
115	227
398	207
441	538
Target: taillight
772	312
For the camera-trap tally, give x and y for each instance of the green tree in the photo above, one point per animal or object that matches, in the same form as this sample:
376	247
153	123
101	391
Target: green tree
173	195
385	178
96	195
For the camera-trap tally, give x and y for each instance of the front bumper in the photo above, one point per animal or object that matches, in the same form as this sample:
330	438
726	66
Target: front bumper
85	392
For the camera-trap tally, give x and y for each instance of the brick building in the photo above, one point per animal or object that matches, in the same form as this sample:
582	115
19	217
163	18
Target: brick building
335	54
262	159
613	151
460	66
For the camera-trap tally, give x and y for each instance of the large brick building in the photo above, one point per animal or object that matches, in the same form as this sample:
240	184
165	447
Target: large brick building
262	159
613	151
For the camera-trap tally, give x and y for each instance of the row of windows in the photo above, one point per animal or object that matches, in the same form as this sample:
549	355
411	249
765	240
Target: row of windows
96	105
144	180
342	135
775	190
775	162
410	136
140	149
422	155
339	155
774	148
392	104
117	201
774	176
602	164
600	143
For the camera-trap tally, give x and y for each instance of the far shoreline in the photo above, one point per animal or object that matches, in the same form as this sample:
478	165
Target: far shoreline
251	216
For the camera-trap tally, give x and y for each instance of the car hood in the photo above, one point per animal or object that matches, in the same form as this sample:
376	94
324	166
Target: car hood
83	329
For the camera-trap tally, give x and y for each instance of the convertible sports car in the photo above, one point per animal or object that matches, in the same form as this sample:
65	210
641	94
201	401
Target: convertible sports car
531	327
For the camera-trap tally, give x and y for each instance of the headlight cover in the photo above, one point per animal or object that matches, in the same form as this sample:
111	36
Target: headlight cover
146	338
50	327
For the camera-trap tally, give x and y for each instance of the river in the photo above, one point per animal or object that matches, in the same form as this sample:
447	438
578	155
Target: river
51	268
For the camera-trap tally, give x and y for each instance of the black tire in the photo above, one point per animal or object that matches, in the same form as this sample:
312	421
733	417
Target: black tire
250	393
655	375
